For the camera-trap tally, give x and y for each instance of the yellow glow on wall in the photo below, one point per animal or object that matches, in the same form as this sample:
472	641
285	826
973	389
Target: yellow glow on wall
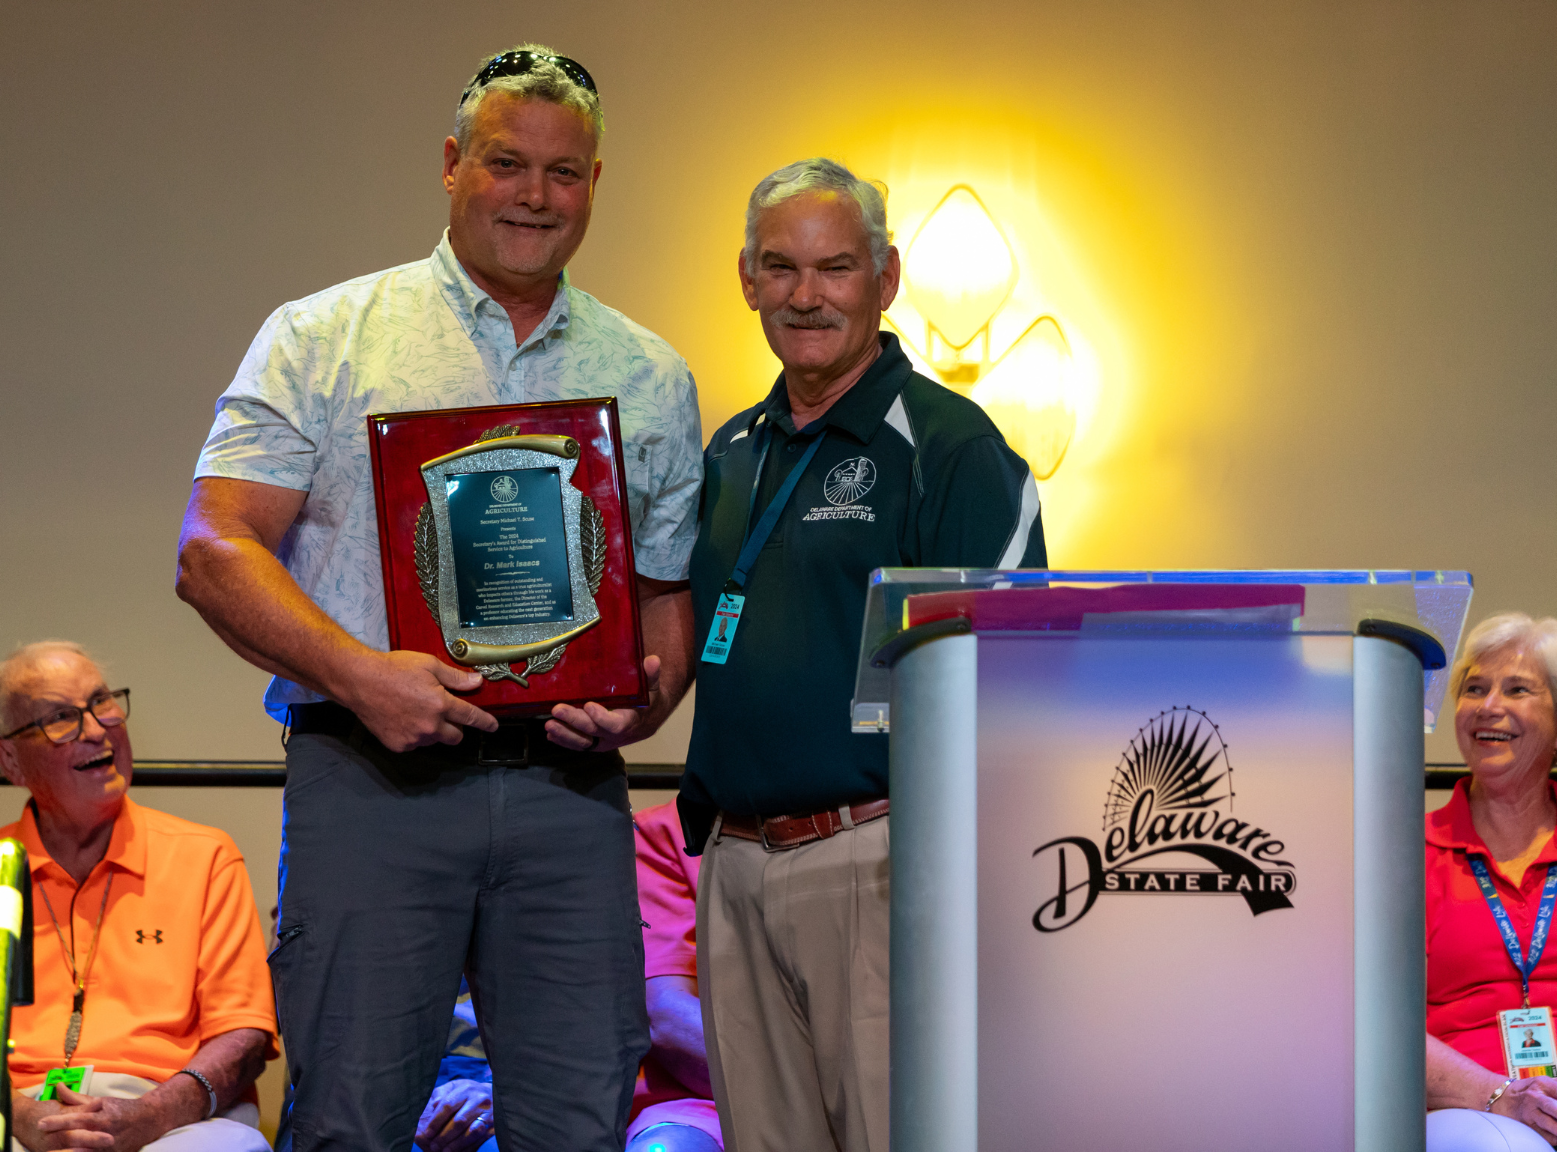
958	270
1103	253
1032	396
1107	235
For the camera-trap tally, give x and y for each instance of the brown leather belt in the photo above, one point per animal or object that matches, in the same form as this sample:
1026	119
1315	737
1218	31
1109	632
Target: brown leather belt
792	831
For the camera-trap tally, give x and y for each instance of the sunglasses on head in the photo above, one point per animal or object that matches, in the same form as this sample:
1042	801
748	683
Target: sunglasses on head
519	63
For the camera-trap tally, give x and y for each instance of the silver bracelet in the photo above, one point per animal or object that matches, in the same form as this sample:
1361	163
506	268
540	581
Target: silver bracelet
1496	1096
211	1092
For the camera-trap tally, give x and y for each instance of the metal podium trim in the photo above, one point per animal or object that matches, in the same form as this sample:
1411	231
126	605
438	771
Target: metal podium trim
1425	646
1390	977
900	645
935	925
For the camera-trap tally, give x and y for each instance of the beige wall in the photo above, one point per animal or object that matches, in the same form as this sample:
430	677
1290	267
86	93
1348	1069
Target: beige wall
1310	245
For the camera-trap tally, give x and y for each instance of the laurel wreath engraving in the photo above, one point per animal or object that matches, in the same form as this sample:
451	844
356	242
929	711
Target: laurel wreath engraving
425	549
592	544
591	538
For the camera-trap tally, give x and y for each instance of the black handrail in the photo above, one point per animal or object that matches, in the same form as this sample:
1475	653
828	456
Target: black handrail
273	774
664	777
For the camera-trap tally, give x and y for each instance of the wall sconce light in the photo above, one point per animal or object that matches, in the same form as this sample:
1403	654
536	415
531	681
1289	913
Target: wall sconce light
959	272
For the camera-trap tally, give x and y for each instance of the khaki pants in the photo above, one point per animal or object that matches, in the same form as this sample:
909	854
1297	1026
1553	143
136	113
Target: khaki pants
235	1130
792	971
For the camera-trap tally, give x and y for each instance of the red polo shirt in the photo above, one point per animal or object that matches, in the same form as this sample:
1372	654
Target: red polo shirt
1470	977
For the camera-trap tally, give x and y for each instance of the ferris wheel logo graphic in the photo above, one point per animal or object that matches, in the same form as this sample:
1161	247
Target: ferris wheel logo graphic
849	481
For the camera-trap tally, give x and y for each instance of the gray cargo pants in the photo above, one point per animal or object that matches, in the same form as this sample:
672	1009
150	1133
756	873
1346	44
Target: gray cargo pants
400	871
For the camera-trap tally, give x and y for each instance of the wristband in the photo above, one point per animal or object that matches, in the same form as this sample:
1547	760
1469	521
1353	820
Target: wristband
1496	1096
211	1092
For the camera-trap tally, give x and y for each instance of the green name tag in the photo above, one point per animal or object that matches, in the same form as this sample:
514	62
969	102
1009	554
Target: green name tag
72	1078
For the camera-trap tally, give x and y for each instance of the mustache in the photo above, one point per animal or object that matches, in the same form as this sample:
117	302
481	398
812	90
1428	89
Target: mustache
816	318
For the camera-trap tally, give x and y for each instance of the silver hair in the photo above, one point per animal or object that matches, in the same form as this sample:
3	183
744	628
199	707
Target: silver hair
820	174
23	658
1515	630
544	82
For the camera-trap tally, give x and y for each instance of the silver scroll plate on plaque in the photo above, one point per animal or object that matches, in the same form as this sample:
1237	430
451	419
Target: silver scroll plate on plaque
495	651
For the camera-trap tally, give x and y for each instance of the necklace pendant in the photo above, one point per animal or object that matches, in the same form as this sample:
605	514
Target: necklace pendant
72	1035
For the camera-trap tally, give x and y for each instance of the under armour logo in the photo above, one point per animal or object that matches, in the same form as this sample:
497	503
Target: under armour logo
140	936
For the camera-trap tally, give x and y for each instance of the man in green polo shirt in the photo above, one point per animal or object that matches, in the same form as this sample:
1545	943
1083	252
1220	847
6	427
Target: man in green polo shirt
852	462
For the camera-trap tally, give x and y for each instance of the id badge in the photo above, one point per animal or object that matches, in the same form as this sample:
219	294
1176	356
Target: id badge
77	1079
1527	1042
721	633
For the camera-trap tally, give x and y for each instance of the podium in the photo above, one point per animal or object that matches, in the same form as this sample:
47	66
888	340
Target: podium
1157	854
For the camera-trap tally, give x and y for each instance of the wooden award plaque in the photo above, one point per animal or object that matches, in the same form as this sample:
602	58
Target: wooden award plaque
507	548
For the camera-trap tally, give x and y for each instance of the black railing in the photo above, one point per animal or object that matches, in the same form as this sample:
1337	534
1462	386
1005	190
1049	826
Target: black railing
273	774
1444	774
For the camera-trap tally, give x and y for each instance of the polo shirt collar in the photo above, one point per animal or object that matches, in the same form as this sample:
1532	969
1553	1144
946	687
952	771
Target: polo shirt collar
126	847
469	301
1451	826
861	409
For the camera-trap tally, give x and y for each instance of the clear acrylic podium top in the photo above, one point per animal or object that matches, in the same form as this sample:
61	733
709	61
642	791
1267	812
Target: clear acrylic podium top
1212	602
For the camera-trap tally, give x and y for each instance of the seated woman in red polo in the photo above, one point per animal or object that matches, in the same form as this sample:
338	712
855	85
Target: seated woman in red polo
1491	891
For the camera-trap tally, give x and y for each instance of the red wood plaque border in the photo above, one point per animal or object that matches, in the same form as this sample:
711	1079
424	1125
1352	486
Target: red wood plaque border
604	664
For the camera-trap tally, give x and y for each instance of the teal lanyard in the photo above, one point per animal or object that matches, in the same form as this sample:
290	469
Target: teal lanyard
757	535
732	601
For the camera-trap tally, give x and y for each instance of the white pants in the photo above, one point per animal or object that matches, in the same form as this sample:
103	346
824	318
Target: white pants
235	1130
1465	1130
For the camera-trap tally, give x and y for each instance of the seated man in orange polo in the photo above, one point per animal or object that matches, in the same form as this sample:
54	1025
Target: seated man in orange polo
148	962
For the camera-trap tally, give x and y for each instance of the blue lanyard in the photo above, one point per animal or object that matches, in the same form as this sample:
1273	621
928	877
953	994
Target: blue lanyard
757	535
1543	920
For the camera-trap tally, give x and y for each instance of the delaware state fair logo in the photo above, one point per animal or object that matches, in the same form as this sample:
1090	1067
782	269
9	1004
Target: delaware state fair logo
848	483
1171	797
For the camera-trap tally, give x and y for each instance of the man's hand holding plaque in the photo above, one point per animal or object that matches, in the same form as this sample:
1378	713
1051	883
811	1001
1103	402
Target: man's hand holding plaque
595	728
404	698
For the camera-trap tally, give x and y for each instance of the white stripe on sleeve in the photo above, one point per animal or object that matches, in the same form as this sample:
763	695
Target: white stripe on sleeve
1016	547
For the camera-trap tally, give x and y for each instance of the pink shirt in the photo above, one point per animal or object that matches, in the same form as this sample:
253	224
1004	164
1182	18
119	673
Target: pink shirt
667	897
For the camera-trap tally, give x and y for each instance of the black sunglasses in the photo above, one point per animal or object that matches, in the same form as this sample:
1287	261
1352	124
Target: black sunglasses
519	63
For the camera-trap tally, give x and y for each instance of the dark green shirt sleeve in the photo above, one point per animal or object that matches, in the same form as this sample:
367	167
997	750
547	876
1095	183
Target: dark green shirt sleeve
980	510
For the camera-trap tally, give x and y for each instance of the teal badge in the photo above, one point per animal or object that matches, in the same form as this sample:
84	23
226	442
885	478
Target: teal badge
721	633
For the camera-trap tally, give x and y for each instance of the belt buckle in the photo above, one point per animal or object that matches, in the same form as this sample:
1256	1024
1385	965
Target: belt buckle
500	761
762	835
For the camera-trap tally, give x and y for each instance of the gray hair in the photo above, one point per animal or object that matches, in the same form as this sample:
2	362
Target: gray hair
23	658
820	174
1537	638
544	82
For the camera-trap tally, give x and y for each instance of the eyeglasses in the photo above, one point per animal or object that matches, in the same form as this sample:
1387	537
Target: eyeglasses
64	726
520	63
